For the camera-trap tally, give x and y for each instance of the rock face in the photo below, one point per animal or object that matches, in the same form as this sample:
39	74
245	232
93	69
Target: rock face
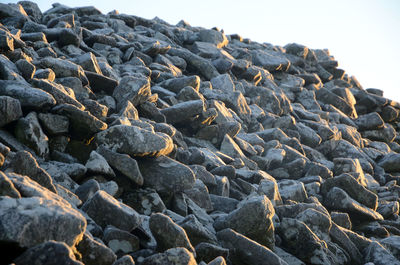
126	140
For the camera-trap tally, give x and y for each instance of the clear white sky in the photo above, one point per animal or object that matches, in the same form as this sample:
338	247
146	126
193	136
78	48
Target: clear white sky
363	35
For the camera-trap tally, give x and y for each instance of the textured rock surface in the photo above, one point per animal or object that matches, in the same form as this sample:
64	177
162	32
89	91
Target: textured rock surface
128	140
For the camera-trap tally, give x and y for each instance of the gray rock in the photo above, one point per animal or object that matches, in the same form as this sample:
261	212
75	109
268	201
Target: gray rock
253	219
7	187
207	252
392	244
317	221
379	255
245	250
177	84
196	232
339	237
24	163
338	199
183	111
97	164
31	221
173	256
120	241
270	60
353	188
82	123
369	121
124	260
168	234
87	189
213	36
135	141
390	162
94	251
46	253
64	68
10	110
145	201
223	204
29	132
123	163
29	97
199	194
166	175
136	90
269	188
341	219
105	210
292	190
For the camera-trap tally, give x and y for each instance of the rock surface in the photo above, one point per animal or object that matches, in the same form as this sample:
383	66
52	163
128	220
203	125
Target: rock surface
126	140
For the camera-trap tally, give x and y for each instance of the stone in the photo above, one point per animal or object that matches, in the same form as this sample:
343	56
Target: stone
270	60
135	141
24	163
166	175
31	221
54	124
390	162
136	90
207	252
105	210
95	252
145	201
173	256
29	97
120	241
379	255
7	187
199	194
10	110
177	84
183	111
122	163
338	199
292	190
124	260
82	123
392	244
244	249
253	219
213	36
64	68
168	234
46	253
86	190
196	232
97	164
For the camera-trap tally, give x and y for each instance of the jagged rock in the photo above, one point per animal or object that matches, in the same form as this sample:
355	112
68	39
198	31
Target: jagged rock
50	252
120	241
168	234
252	218
166	175
31	221
242	249
183	111
135	141
338	199
97	164
173	256
105	210
196	232
10	110
7	187
292	190
379	255
95	252
87	189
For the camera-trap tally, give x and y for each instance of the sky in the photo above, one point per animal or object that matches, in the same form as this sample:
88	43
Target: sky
362	35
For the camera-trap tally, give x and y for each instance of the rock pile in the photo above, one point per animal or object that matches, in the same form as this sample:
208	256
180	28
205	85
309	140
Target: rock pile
125	140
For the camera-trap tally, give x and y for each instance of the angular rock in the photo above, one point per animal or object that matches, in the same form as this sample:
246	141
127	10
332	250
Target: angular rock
135	141
105	210
173	256
183	111
10	110
97	164
120	241
31	221
94	252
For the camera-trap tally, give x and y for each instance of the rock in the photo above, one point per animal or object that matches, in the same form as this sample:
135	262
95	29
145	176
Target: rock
392	244
29	97
207	252
64	68
369	121
338	199
82	123
352	188
168	234
136	90
123	163
253	219
145	201
105	210
135	141
10	110
120	241
177	84
292	190
29	132
390	162
99	82
379	255
124	260
54	124
183	111
173	256
87	189
166	175
97	164
196	232
31	221
95	252
7	187
46	253
242	249
270	60
24	163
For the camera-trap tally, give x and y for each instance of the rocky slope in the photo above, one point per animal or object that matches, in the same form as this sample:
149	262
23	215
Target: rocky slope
125	140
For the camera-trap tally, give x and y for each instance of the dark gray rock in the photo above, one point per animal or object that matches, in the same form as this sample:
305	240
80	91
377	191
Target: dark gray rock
87	189
245	251
252	218
120	241
54	124
168	234
29	97
31	221
64	68
270	60
136	90
10	110
50	252
182	112
95	252
379	255
97	164
105	210
196	232
135	141
173	256
390	162
7	187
